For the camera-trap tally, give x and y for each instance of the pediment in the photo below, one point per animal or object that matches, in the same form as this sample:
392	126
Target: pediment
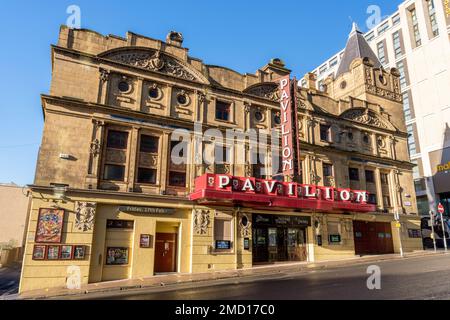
368	117
154	60
266	90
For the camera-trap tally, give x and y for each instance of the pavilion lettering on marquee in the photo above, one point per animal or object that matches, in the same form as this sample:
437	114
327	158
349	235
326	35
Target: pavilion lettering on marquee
286	127
291	189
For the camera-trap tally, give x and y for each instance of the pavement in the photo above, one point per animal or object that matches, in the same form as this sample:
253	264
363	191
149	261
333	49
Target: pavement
177	282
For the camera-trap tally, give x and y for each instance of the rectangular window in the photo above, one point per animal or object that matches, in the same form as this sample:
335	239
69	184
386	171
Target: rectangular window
353	174
397	44
333	62
381	52
415	27
223	233
223	110
149	144
382	29
407	107
370	36
327	170
258	161
325	133
117	140
114	172
411	140
146	175
370	176
372	198
432	17
114	166
384	178
323	69
177	164
386	201
396	19
401	70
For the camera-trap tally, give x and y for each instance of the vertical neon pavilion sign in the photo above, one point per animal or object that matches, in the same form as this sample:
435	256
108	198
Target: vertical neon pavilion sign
287	129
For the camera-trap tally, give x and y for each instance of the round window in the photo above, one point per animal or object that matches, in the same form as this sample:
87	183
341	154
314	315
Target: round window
366	139
244	221
381	142
259	116
350	136
277	120
153	93
383	79
124	86
182	99
343	84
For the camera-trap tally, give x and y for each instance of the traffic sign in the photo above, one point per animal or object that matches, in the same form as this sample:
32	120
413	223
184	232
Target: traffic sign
441	209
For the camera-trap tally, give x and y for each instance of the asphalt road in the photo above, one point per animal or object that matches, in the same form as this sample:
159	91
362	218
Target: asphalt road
9	281
423	278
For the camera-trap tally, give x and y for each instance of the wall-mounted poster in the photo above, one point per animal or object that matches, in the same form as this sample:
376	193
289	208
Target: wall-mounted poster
66	252
146	241
117	256
49	226
39	252
53	252
79	252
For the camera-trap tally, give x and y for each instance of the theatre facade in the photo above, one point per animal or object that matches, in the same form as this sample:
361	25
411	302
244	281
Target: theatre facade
111	202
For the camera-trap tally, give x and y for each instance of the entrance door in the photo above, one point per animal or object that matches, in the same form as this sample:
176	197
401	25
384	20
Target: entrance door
166	252
373	238
260	244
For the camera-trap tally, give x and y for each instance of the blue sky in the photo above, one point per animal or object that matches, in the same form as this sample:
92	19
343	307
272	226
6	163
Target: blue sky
241	35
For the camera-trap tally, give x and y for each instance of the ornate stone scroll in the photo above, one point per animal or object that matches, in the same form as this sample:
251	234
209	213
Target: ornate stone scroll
85	216
201	222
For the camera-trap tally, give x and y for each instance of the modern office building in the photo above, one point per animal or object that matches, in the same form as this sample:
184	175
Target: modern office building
416	41
123	188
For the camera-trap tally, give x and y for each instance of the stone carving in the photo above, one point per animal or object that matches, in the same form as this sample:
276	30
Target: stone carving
155	62
201	222
104	75
85	215
267	90
245	226
365	116
148	160
248	170
95	147
384	93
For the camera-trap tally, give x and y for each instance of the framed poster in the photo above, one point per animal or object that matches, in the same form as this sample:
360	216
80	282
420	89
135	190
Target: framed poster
117	256
66	252
223	245
146	241
49	226
53	252
79	252
39	252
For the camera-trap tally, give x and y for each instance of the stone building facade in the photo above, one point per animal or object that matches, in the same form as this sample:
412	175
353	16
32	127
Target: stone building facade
127	212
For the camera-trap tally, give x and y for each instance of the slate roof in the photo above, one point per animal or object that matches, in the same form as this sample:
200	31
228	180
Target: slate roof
357	47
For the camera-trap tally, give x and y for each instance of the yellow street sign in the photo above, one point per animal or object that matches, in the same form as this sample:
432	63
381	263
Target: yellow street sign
398	225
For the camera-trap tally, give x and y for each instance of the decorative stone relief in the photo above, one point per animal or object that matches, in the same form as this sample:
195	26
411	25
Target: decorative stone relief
85	216
156	62
95	147
384	93
267	90
366	116
104	75
201	222
245	226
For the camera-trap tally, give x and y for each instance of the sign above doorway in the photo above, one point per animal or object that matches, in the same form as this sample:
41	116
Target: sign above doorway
146	210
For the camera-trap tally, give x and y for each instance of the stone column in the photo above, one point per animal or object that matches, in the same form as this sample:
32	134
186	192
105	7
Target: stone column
103	86
379	189
133	158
